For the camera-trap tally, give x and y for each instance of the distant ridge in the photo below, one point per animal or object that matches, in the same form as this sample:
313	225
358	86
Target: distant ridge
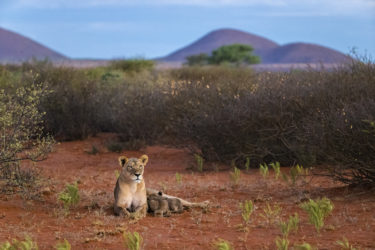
17	48
269	51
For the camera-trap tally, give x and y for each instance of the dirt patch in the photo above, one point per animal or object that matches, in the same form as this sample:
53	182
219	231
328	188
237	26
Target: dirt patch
92	224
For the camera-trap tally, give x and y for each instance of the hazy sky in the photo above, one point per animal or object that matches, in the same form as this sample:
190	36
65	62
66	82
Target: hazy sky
152	28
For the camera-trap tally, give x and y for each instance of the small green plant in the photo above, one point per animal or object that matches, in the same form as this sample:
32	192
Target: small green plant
291	225
263	169
276	169
65	245
199	159
247	208
133	241
295	172
178	178
221	244
27	244
318	210
247	164
284	227
303	246
344	244
235	176
271	214
293	222
70	196
282	243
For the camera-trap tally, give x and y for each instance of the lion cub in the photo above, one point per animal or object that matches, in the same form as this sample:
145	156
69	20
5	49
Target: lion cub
163	206
130	191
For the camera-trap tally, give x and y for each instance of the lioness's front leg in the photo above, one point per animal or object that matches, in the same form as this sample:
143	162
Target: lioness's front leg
119	211
139	213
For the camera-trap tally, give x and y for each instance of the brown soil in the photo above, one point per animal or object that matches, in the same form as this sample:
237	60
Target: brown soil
92	224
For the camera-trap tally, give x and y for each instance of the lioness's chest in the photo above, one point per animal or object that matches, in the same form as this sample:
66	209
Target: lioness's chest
132	196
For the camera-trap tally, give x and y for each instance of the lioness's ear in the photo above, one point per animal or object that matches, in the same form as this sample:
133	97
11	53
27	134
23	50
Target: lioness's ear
144	159
122	160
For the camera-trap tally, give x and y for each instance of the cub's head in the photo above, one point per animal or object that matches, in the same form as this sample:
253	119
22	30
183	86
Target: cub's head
132	168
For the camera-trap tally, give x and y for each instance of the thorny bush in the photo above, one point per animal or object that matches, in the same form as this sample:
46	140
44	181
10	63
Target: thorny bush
308	117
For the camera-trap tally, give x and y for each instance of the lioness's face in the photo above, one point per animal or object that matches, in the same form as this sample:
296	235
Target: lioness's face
133	168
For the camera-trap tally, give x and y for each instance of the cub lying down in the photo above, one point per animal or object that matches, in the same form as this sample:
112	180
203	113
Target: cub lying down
160	205
185	204
132	199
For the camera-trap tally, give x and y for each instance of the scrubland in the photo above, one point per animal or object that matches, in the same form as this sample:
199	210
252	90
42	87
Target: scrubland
207	130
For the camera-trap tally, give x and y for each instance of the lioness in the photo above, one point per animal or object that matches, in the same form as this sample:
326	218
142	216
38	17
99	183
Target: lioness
131	194
130	190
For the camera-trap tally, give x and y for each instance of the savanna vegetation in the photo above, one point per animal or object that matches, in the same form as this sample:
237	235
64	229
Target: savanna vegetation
224	114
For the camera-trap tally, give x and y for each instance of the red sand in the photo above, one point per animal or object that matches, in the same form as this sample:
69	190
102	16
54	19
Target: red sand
92	224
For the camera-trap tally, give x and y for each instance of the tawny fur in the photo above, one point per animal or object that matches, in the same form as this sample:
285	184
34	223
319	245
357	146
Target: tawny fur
160	205
132	198
185	204
130	191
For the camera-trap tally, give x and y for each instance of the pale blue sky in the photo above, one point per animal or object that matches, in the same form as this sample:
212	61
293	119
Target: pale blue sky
152	28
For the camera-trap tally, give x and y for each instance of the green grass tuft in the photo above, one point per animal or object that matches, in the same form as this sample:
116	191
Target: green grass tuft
133	241
70	196
247	208
221	244
318	210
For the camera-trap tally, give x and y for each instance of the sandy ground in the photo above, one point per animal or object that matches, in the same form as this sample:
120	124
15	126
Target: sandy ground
92	225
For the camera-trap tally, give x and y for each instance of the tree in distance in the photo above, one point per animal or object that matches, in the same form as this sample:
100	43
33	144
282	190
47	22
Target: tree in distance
235	54
197	60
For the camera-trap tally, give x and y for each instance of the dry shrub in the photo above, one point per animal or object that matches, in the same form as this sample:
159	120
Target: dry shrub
87	101
344	129
134	65
308	117
139	113
258	118
225	114
221	75
22	138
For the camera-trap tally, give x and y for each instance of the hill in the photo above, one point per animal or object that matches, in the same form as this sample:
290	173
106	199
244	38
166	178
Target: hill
218	38
269	51
17	48
303	53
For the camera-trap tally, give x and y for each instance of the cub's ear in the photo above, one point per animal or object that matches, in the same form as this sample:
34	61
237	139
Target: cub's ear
144	159
122	160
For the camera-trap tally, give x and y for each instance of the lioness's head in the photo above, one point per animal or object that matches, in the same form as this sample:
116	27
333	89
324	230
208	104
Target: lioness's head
133	168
